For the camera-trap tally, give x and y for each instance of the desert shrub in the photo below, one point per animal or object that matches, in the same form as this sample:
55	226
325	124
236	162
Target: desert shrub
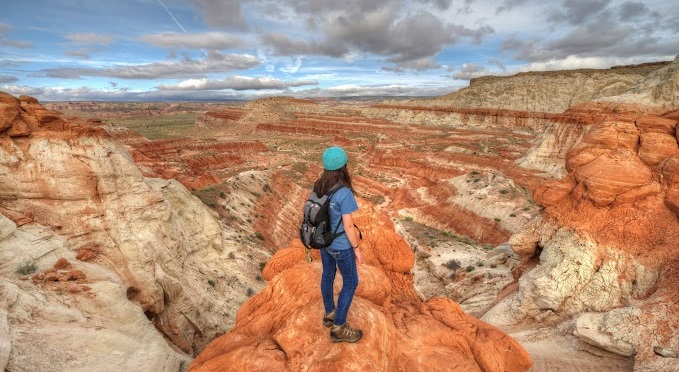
250	292
453	264
512	215
221	194
259	235
497	219
470	268
526	208
407	218
504	191
27	267
259	278
492	266
266	187
474	173
479	264
262	265
211	282
477	179
232	255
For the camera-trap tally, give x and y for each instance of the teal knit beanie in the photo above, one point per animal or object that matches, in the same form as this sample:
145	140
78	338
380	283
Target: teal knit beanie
334	158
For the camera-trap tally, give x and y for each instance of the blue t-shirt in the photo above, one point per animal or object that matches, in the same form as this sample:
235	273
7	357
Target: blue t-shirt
341	202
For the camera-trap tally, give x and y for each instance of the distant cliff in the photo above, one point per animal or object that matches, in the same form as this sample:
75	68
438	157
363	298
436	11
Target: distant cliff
548	91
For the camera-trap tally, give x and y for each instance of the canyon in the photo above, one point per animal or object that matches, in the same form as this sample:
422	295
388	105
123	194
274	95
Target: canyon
508	225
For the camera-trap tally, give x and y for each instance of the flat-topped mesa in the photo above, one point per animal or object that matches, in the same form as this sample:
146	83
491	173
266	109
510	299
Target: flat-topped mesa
280	328
546	91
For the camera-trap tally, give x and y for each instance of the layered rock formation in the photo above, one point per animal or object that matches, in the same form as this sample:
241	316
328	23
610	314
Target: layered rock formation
659	88
157	258
281	329
608	240
550	91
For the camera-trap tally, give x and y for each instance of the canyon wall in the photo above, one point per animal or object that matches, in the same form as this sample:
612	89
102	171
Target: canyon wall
606	246
141	255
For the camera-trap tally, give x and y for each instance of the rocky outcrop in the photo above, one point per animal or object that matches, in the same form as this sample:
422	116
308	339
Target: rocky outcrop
607	242
659	88
154	250
549	91
280	328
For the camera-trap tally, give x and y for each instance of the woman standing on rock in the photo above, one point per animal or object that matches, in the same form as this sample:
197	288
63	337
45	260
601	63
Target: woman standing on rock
344	253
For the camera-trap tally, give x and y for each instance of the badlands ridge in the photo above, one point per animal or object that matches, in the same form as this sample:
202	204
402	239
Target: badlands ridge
525	221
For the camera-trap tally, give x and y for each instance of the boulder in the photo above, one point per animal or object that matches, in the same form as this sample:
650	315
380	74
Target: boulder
587	328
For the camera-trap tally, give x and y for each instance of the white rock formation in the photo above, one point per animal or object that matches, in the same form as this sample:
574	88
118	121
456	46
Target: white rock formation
660	88
163	260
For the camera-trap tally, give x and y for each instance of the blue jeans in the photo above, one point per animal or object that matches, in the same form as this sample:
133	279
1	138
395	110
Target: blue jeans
346	262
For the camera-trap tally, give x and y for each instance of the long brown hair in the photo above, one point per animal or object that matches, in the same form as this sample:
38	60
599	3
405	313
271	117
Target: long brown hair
330	178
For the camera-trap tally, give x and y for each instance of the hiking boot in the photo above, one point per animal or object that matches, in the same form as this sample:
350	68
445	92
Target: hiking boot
329	318
345	333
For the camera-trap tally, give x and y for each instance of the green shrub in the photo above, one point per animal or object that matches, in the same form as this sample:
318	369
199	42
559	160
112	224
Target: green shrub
407	218
453	264
27	267
470	268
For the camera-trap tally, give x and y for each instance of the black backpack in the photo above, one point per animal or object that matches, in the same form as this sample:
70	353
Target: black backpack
315	231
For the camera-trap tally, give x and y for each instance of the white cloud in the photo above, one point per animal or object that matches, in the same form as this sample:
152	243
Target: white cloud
292	68
7	79
88	38
470	71
5	28
206	40
214	62
237	83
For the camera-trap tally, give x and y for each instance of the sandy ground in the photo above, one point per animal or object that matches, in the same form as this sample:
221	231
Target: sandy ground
557	350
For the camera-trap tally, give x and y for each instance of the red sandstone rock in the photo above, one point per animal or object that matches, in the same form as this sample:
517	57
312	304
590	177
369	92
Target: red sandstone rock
62	263
656	147
654	124
608	176
72	275
85	255
280	328
7	115
553	192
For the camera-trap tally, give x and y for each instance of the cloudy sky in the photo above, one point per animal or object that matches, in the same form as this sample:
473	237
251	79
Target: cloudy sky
240	49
